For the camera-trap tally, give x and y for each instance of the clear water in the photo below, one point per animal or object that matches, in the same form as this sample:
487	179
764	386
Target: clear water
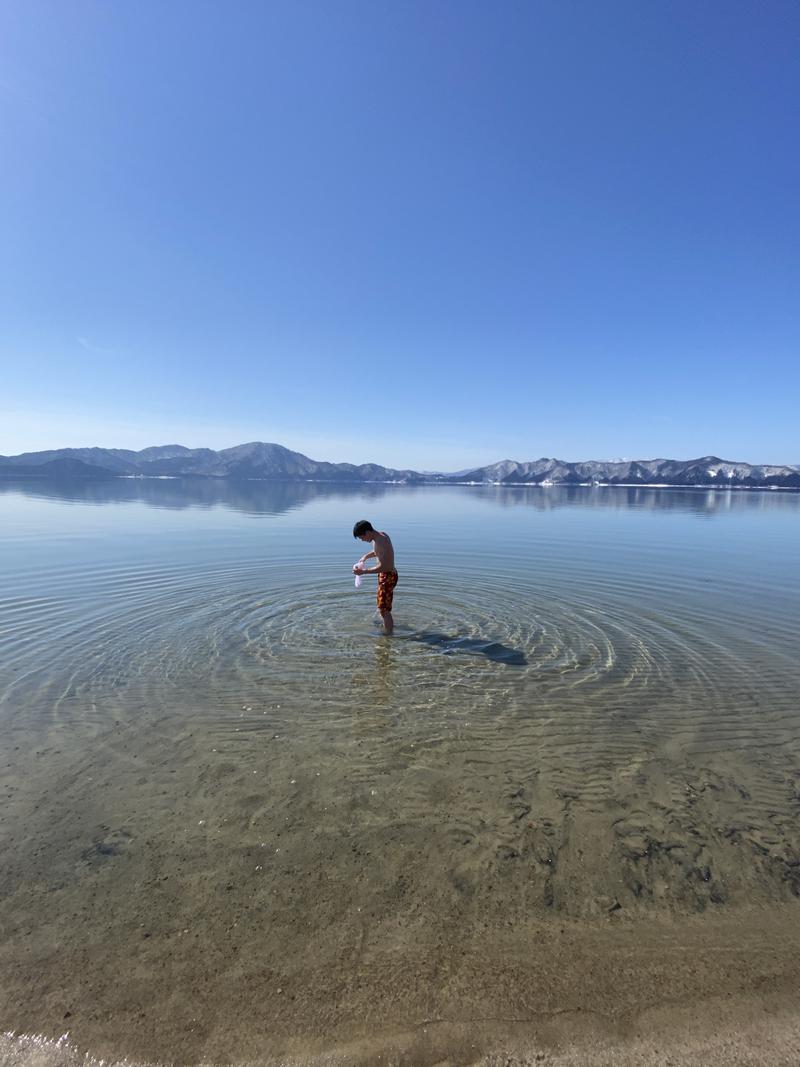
235	816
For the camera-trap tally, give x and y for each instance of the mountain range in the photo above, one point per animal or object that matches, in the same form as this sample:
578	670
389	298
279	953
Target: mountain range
272	462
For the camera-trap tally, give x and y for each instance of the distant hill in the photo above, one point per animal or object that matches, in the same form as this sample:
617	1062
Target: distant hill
271	462
254	460
708	470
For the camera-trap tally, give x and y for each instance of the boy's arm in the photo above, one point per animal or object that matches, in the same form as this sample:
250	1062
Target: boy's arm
369	555
380	567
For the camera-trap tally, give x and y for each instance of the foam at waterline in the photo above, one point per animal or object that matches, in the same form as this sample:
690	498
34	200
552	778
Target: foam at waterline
757	1031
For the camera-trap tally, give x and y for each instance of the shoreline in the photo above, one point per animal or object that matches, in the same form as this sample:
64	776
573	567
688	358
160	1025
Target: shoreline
713	988
345	483
757	1031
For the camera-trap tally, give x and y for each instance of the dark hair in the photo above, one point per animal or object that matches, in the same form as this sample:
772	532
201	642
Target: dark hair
361	527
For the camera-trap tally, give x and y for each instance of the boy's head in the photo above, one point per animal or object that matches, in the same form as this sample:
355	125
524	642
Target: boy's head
362	530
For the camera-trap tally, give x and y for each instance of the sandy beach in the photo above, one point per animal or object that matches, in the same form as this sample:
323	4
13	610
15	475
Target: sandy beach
720	992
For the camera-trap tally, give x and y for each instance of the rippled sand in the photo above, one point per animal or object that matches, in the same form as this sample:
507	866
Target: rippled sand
555	815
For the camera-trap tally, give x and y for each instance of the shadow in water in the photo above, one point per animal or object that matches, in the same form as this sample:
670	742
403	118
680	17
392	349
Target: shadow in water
472	646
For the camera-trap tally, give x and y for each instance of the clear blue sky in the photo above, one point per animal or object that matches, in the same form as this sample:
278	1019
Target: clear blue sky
426	234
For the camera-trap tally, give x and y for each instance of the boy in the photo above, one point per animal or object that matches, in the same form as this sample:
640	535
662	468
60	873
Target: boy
383	552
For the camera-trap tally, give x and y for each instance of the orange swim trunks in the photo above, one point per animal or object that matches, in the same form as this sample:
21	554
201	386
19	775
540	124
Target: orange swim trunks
387	580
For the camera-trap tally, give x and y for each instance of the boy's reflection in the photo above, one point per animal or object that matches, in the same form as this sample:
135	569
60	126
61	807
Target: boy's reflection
384	664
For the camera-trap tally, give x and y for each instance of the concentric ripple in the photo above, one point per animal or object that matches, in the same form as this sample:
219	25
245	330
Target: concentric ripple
509	652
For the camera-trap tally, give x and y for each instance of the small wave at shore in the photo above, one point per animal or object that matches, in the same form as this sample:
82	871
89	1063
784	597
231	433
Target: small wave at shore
758	1031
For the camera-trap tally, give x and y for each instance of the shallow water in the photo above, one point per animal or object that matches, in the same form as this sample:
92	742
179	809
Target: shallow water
238	820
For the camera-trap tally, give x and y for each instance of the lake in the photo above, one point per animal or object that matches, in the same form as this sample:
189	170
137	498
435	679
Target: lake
239	823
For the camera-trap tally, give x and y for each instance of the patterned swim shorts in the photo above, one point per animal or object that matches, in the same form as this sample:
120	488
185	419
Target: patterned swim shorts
387	580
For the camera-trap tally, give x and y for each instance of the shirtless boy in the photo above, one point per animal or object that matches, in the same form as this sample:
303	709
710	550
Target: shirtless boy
383	552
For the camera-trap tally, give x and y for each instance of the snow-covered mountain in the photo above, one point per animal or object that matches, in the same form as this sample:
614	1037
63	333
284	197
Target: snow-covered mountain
272	462
708	470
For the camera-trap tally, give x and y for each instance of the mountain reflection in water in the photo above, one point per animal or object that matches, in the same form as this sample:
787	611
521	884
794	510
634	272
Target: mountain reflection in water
275	498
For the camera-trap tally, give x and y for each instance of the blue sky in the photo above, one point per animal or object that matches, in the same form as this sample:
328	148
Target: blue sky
424	234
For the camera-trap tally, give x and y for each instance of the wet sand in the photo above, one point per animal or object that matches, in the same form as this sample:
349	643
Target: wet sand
639	996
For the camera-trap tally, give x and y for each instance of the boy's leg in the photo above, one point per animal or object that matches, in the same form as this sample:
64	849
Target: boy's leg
386	584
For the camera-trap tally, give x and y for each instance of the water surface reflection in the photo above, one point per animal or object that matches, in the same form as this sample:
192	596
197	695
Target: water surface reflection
277	497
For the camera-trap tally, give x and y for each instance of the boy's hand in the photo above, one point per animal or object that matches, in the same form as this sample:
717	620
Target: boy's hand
357	569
